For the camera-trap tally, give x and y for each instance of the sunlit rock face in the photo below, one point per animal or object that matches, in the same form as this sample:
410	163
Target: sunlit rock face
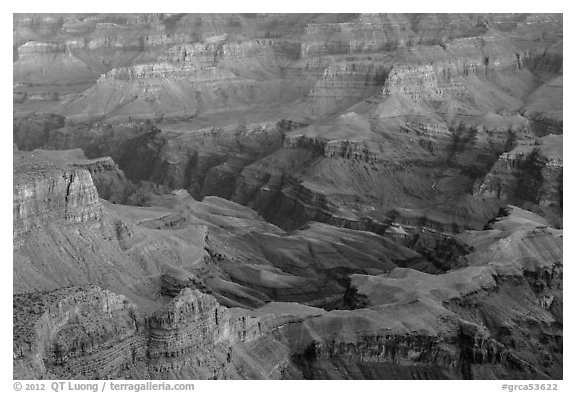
288	196
44	192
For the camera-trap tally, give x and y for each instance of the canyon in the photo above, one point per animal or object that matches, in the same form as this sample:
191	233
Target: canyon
288	196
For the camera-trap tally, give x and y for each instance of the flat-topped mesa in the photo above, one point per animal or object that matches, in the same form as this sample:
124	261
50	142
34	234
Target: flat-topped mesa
82	23
486	54
432	81
444	74
263	133
220	50
369	33
46	191
52	57
98	165
341	148
109	179
350	79
324	39
147	72
106	34
51	62
98	32
199	53
160	88
362	34
33	48
343	83
427	129
44	23
207	61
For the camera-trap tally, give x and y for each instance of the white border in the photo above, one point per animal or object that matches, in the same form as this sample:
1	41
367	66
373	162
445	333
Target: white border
12	6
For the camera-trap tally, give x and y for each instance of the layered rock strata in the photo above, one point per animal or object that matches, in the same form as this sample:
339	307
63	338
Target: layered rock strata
90	333
44	193
467	323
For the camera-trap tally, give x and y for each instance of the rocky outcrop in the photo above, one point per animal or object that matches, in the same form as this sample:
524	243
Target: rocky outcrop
109	179
56	61
343	83
45	192
166	71
53	329
223	52
195	333
65	235
441	79
90	333
410	80
32	48
344	149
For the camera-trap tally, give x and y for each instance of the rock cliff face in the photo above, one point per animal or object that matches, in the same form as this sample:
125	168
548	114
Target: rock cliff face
195	336
56	61
87	333
44	193
448	74
344	83
58	216
109	179
72	332
360	33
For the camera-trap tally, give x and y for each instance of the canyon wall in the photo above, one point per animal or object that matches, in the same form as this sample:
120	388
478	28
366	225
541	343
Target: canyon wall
53	194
